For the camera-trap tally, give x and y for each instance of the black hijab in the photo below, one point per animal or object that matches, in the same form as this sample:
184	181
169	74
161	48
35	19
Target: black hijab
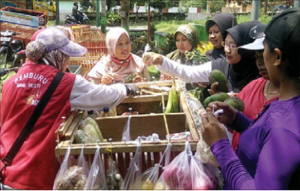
224	21
245	71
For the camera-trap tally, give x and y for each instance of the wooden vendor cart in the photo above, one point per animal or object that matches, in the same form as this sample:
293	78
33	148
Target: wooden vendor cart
23	22
150	119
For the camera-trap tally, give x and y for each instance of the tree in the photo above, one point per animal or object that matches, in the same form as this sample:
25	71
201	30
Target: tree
138	3
192	3
124	13
161	4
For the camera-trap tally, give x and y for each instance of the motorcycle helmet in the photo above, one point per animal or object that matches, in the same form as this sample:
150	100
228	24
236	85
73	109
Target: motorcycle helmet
76	4
16	45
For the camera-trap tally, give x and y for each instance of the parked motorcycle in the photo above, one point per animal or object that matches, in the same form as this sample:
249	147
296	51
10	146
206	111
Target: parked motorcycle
9	47
70	19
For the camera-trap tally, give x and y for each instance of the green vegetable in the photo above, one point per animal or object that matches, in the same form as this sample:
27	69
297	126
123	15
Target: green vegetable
235	102
173	102
90	127
218	76
216	97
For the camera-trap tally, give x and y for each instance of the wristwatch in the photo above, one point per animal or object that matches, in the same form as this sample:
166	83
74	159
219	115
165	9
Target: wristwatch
129	91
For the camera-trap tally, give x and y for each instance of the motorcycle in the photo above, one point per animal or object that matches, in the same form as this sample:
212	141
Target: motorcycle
70	19
9	47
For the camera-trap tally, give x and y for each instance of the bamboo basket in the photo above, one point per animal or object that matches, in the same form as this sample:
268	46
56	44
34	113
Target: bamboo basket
151	119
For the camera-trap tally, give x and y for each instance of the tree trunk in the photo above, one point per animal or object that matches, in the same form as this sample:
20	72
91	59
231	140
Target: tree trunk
103	8
124	13
266	6
108	5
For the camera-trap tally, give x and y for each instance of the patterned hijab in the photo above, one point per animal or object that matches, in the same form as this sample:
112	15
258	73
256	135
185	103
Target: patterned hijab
36	52
190	32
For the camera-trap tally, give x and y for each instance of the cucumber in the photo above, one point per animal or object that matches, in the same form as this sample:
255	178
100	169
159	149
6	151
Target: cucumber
218	76
235	102
216	97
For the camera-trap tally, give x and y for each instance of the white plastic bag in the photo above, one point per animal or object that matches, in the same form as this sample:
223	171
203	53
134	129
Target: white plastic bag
96	179
126	131
204	153
132	180
72	176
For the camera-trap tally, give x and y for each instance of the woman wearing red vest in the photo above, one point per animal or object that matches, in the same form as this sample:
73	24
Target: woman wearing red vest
35	165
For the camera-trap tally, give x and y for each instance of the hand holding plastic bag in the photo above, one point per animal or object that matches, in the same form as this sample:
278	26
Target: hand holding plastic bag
204	153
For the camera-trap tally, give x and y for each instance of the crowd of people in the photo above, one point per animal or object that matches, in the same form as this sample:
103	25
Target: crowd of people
260	62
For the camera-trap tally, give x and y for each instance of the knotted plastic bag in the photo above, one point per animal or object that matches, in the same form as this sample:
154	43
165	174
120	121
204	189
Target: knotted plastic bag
96	178
132	180
72	177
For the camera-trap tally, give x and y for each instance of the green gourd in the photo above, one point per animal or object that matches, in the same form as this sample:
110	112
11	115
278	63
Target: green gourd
218	76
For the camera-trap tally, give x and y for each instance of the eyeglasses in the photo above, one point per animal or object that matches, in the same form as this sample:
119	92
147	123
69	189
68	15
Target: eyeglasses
230	46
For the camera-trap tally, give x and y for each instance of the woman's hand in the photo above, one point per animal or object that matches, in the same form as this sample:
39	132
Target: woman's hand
213	88
212	130
227	116
137	79
150	58
107	79
203	84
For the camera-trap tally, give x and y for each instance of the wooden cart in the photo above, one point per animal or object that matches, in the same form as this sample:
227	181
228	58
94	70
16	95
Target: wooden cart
151	119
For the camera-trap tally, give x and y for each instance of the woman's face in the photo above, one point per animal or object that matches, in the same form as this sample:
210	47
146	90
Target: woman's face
261	65
230	47
123	47
182	43
215	36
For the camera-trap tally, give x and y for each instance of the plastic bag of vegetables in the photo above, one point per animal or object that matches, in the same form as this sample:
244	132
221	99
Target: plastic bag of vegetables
150	176
204	153
201	179
160	184
96	178
72	177
185	173
90	127
132	180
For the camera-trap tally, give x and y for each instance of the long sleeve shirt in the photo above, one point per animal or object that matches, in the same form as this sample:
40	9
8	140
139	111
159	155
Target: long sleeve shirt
88	96
268	156
199	73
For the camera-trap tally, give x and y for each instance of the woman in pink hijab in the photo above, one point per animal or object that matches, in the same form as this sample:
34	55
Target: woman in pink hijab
119	65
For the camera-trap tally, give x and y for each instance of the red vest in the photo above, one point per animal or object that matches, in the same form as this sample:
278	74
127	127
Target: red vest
35	165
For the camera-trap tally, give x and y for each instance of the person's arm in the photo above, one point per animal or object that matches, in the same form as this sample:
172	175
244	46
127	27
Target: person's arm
88	96
199	73
278	160
240	123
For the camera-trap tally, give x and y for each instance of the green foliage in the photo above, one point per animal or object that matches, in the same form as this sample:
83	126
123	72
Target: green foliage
172	25
112	18
216	5
159	4
84	4
168	47
265	19
193	3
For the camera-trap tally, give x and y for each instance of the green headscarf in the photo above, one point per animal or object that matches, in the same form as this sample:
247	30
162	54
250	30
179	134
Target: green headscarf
190	32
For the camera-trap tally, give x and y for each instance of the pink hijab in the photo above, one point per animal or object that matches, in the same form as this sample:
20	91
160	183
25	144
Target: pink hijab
109	65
